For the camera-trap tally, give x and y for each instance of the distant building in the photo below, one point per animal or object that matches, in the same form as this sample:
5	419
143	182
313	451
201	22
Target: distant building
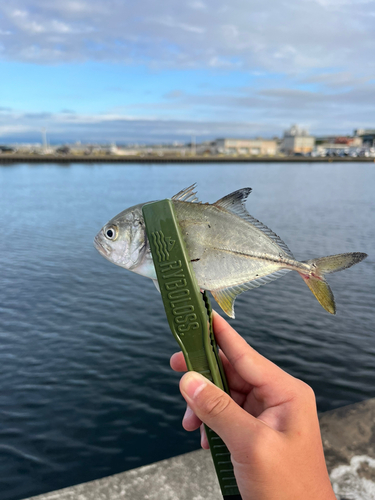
297	140
7	149
62	150
121	151
205	148
263	147
336	145
338	141
367	136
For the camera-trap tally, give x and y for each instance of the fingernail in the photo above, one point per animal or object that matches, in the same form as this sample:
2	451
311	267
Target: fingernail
192	384
175	354
204	441
188	413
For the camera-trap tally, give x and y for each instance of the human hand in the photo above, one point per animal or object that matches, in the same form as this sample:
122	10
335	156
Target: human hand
270	426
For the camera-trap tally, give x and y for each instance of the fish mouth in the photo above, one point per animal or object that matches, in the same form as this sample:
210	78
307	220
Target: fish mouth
101	247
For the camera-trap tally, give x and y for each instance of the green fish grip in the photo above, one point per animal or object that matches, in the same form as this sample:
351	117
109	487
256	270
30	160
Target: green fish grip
189	315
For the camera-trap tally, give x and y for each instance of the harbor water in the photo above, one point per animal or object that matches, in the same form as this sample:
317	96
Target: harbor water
85	385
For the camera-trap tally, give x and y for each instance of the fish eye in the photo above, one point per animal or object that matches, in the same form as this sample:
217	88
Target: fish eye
111	232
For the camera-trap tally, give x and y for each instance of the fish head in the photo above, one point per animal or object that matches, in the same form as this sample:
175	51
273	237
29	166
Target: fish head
123	239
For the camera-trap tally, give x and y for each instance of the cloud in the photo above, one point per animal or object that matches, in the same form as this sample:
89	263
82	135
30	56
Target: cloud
106	128
247	112
25	22
307	61
170	22
286	100
289	37
37	116
174	94
337	80
197	5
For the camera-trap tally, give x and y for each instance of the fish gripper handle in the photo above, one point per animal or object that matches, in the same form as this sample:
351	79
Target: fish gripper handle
189	316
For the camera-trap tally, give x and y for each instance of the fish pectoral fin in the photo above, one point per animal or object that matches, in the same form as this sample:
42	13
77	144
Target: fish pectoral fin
156	283
225	299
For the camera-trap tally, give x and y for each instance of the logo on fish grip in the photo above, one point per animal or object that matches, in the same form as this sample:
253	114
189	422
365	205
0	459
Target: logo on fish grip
180	300
163	245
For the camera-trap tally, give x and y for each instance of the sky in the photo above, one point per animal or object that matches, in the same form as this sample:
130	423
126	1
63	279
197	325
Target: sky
148	71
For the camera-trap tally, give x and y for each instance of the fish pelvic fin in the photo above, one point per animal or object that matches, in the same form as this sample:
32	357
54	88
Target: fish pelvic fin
325	265
225	299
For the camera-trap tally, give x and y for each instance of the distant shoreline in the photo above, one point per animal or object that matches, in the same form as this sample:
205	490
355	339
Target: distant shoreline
17	158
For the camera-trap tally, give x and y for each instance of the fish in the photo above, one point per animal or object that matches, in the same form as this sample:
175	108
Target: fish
230	251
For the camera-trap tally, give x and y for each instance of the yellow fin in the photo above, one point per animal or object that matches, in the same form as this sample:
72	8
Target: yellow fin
334	263
325	265
225	299
322	292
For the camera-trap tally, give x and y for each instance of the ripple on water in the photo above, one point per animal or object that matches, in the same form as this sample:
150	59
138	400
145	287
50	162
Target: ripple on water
86	388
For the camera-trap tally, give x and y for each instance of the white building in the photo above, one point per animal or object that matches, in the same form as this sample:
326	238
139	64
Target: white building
262	147
297	140
367	136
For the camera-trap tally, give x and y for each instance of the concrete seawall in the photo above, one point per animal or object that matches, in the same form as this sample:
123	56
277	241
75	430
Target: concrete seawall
10	159
348	436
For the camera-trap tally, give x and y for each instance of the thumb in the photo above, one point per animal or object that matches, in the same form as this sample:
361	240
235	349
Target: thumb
217	409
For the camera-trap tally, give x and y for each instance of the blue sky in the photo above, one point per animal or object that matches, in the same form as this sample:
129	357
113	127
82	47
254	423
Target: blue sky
146	71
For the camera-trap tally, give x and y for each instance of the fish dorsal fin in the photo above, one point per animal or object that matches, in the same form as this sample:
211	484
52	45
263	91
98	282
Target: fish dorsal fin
225	297
266	230
235	203
187	194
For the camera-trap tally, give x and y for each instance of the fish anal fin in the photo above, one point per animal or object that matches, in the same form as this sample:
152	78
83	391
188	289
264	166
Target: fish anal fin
225	297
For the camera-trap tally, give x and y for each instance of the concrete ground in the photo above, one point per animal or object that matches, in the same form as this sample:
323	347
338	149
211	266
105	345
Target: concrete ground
348	436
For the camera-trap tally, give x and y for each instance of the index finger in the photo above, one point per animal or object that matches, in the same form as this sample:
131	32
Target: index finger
248	363
235	381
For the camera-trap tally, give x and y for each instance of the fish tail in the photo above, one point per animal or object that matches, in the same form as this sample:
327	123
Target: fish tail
325	265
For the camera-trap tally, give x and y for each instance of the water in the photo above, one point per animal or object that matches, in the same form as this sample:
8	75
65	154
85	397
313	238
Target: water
85	384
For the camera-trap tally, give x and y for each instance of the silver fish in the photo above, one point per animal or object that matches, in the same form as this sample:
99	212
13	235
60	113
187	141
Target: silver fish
230	251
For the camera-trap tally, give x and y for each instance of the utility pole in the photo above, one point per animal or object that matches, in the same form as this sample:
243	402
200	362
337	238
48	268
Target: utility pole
44	139
193	145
